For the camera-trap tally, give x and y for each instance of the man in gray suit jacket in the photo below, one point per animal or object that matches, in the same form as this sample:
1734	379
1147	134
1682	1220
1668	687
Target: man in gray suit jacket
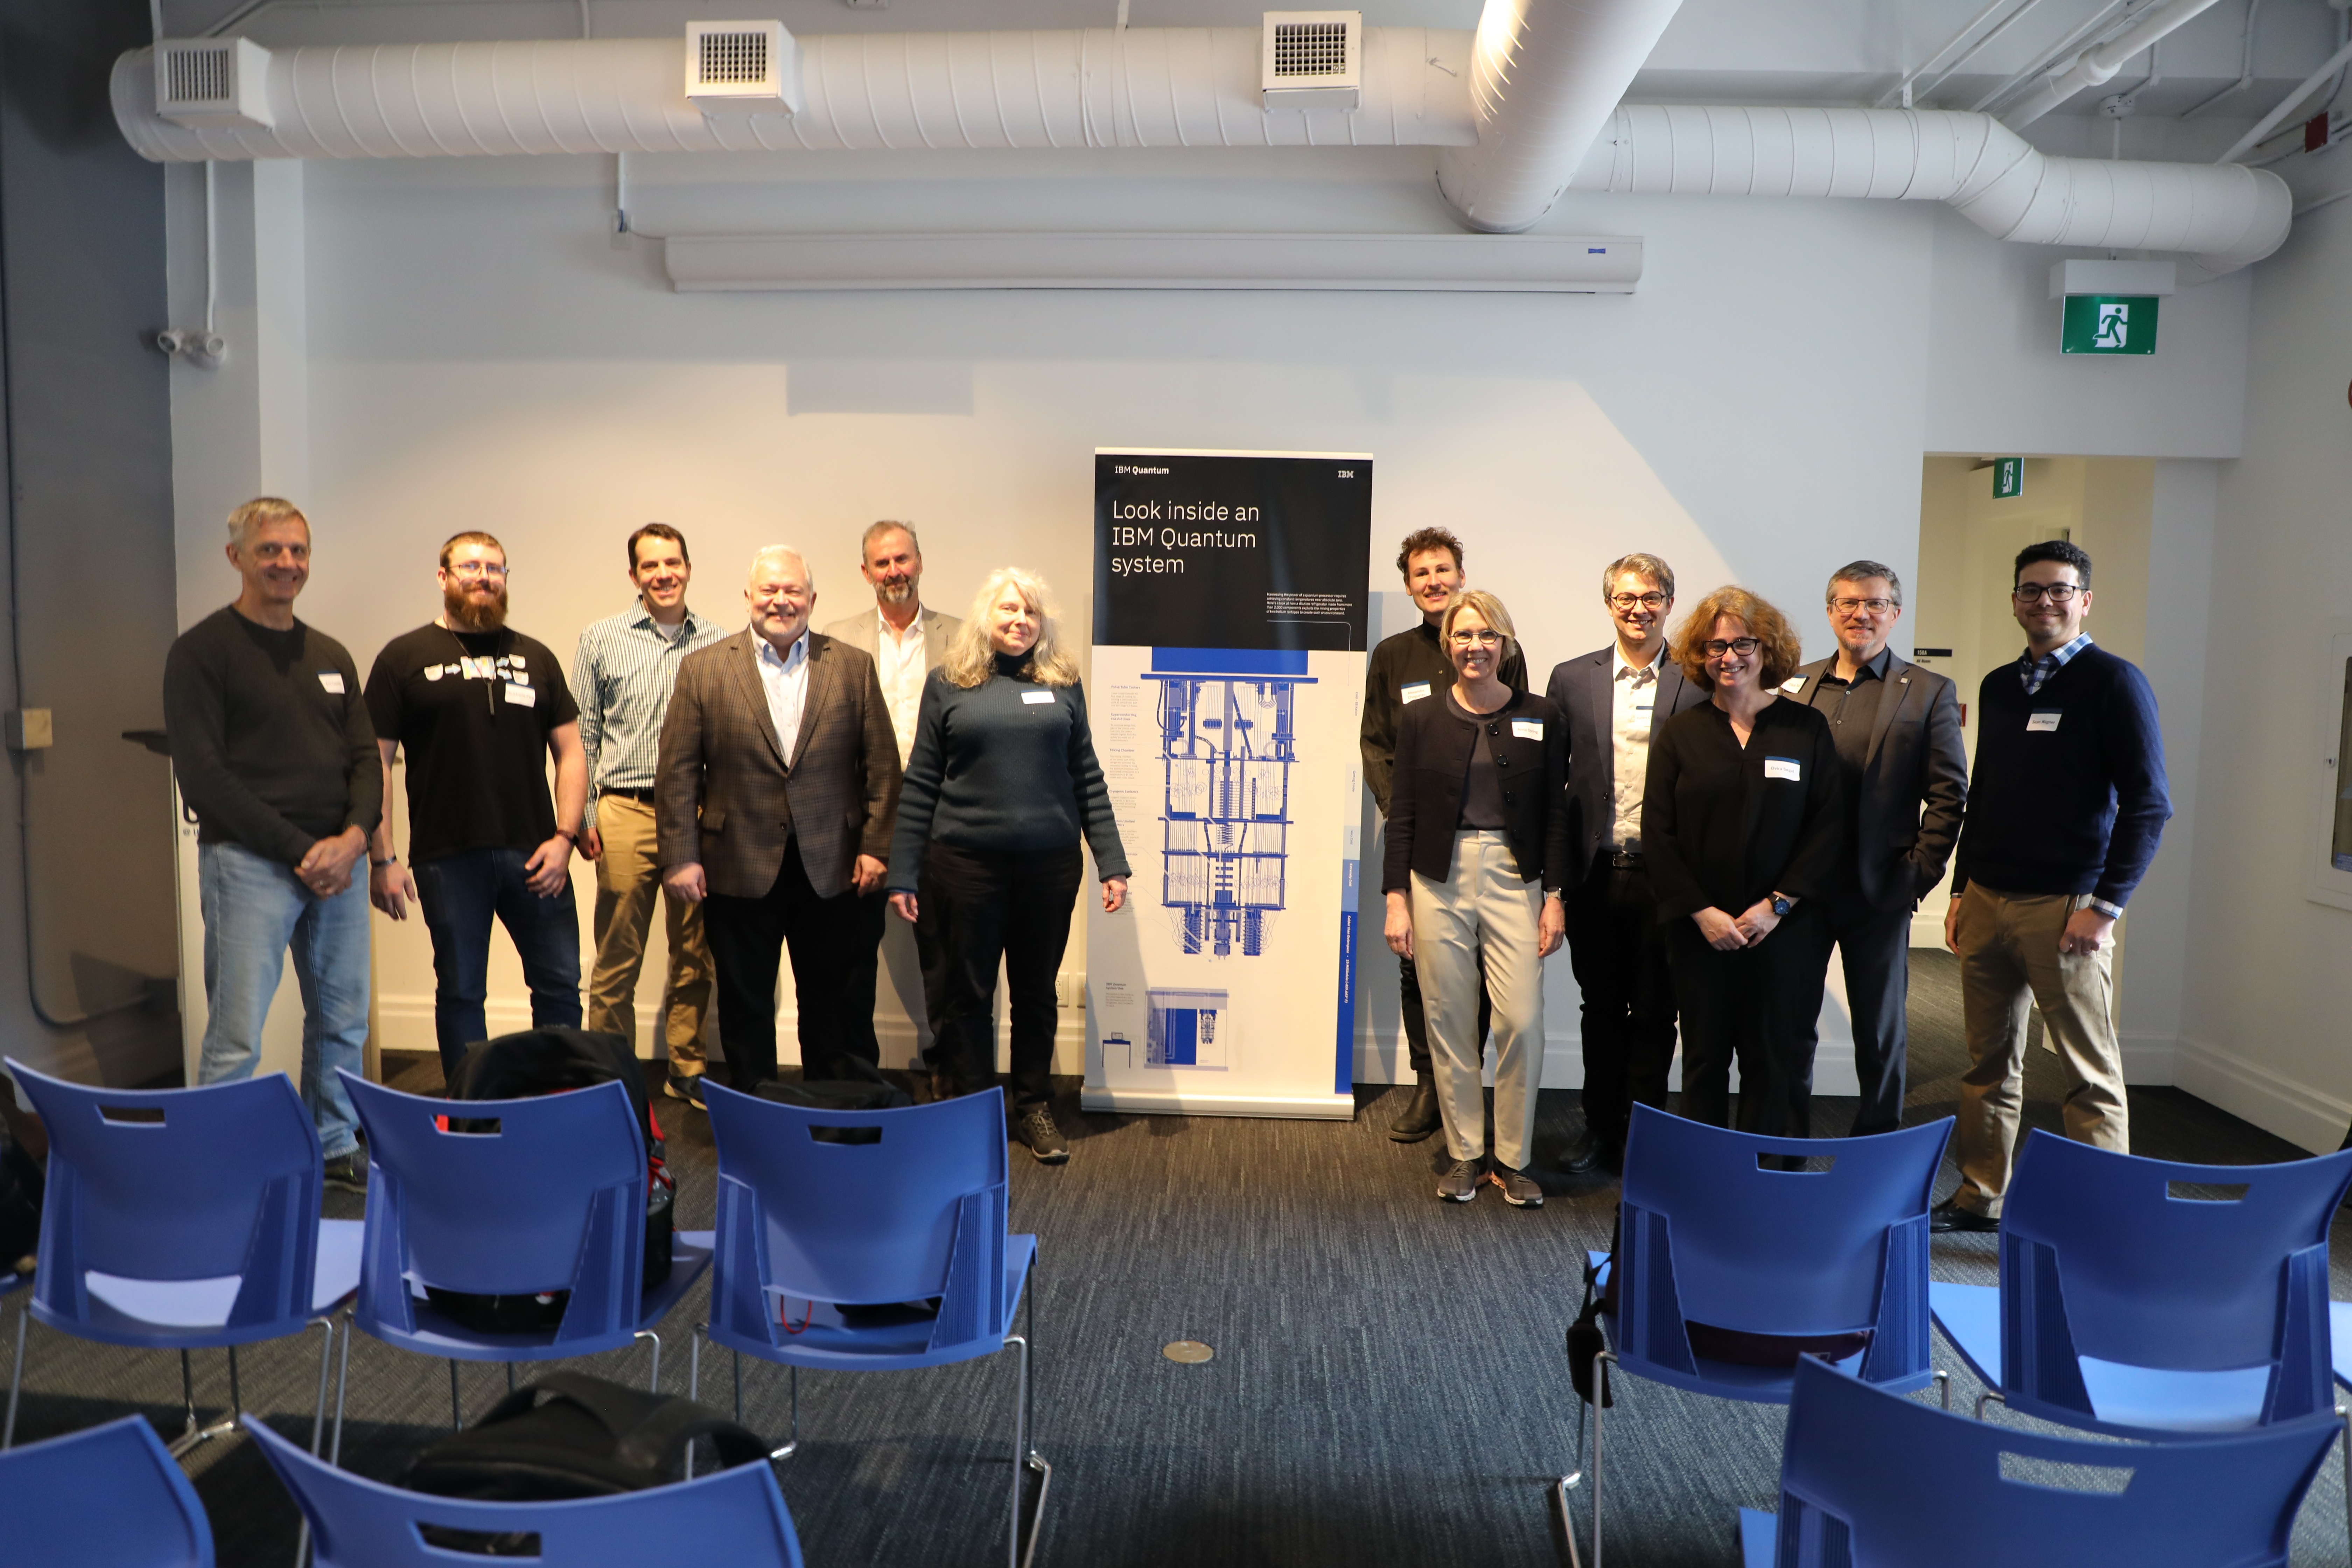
1898	729
774	797
1615	698
906	641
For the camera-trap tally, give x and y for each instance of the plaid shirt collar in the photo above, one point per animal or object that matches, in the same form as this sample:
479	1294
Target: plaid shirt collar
2033	672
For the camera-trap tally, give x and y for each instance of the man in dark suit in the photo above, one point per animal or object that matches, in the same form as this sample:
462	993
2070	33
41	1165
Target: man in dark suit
775	794
1898	729
1614	700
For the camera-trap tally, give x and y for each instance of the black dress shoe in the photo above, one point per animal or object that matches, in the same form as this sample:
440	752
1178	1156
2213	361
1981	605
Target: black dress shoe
1948	1215
1581	1157
1420	1117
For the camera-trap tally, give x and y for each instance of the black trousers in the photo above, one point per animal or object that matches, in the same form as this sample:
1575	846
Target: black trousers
1874	950
1618	950
979	906
1416	1015
1756	1007
747	939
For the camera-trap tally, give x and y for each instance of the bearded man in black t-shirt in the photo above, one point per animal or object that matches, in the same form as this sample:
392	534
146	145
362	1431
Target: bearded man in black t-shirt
479	706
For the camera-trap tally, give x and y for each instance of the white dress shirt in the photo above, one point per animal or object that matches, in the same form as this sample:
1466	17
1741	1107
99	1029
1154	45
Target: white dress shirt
1633	700
785	677
899	661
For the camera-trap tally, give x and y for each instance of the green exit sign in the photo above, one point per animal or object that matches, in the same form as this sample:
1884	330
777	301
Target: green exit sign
2008	478
2109	324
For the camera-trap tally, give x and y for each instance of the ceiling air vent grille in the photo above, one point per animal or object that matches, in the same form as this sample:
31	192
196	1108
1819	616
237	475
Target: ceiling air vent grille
1312	59
213	83
742	68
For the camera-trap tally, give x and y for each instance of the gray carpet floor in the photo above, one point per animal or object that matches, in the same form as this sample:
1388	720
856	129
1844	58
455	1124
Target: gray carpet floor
1387	1385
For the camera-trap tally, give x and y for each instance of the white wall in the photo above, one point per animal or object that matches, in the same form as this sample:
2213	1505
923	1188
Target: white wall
480	354
2268	985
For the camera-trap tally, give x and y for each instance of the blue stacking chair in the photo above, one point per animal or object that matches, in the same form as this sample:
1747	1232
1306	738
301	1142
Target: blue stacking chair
2127	1310
1871	1478
1707	1235
913	1208
553	1200
184	1219
106	1497
735	1519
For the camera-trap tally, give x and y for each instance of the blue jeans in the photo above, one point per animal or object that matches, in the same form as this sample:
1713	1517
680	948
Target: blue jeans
256	910
458	894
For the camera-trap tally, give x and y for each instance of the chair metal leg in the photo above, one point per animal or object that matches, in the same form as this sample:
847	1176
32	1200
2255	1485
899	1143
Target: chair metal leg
194	1436
2345	1415
693	1383
738	1388
1944	1387
510	1377
457	1421
1992	1397
792	1440
319	1411
653	1384
1562	1521
17	1379
342	1386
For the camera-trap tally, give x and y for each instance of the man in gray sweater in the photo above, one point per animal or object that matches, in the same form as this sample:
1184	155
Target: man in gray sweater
275	756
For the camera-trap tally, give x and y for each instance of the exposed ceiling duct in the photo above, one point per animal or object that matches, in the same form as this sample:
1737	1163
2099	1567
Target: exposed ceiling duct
2222	218
1527	112
1095	87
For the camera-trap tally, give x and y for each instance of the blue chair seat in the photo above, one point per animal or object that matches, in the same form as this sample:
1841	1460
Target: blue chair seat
870	1346
438	1334
2340	1322
130	1311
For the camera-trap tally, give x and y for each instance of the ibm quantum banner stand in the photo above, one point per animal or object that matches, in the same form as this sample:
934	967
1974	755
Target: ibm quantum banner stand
1228	677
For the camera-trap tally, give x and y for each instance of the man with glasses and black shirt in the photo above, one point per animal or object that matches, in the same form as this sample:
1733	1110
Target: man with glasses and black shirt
479	707
1615	700
1404	669
1898	729
2064	812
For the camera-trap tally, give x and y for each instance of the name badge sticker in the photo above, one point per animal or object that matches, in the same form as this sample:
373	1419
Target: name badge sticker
1784	768
1414	693
521	696
1039	697
333	679
1794	683
1527	728
2041	723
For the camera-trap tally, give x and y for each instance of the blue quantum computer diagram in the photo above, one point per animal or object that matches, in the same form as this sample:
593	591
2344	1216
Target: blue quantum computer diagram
1189	1029
1227	746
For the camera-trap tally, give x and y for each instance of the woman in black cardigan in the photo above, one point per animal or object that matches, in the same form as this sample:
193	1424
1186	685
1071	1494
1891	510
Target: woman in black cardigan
1477	842
1741	828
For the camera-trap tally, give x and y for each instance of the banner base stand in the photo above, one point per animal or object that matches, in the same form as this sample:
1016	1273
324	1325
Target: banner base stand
1176	1103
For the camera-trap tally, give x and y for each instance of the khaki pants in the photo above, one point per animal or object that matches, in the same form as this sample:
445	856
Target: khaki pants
2008	952
627	883
1483	911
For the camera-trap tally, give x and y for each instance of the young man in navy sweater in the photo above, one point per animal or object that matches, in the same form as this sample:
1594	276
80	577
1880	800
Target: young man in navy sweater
2064	811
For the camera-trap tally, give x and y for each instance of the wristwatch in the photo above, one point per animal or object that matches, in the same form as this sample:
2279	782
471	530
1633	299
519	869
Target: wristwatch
1782	905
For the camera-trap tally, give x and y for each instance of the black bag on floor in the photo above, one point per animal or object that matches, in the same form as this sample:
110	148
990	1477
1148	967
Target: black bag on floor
573	1436
21	1182
556	1061
839	1094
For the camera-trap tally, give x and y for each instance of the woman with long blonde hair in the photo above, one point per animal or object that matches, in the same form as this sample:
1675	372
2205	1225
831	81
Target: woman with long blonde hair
1001	784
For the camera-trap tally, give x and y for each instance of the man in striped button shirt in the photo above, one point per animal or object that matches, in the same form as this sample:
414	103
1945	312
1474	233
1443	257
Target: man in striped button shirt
622	675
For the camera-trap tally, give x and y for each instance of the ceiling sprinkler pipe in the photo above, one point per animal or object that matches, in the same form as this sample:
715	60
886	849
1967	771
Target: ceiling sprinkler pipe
2097	65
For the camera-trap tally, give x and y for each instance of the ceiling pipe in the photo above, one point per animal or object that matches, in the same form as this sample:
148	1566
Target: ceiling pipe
2097	67
1095	87
2222	219
1544	76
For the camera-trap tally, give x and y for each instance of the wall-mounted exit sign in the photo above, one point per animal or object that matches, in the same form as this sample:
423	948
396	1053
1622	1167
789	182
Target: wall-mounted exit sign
2008	478
2108	324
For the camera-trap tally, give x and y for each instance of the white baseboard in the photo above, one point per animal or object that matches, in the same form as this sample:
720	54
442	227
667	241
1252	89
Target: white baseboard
2149	1059
2303	1116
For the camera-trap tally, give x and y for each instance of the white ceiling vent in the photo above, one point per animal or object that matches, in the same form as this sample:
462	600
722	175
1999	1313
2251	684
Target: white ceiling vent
204	83
1312	60
742	68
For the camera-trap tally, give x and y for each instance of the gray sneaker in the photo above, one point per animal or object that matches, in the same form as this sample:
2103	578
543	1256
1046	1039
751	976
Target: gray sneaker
1039	1132
1459	1185
347	1173
1519	1189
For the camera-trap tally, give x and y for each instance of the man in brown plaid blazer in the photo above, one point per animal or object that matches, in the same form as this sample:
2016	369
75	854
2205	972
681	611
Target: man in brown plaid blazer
774	799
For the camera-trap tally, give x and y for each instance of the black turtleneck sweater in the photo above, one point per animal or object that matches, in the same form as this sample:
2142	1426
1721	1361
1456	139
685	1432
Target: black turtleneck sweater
1006	765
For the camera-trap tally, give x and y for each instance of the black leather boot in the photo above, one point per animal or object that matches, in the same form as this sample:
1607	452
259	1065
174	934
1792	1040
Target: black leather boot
1420	1117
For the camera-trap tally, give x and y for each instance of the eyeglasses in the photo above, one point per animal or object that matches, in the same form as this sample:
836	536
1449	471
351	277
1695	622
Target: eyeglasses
1483	638
1743	647
1650	600
1848	607
2056	593
471	569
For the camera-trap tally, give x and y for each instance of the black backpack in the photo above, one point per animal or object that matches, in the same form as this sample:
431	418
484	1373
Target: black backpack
573	1436
555	1061
21	1181
840	1094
